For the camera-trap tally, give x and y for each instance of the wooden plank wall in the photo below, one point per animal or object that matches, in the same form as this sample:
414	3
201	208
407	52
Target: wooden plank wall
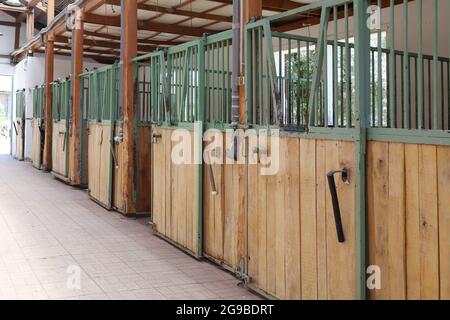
59	148
220	211
19	142
293	247
36	145
85	154
409	219
99	162
173	200
118	201
143	202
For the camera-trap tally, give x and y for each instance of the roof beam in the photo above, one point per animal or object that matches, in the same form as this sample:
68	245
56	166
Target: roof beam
272	5
176	11
159	27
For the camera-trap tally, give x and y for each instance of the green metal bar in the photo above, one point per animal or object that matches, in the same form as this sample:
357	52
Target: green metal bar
435	64
272	71
261	109
420	76
325	109
248	78
320	49
335	70
289	84
199	145
392	70
362	75
380	73
406	93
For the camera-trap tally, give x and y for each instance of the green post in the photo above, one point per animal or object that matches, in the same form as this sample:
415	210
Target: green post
362	75
199	144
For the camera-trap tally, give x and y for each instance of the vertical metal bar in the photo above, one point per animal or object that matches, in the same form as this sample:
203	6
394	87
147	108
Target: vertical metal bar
325	78
261	108
347	68
380	73
372	88
273	72
248	72
362	49
320	49
335	69
420	67
392	69
406	89
289	85
199	145
435	64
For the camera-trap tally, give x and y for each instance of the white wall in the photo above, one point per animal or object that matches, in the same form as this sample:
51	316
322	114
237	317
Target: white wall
29	73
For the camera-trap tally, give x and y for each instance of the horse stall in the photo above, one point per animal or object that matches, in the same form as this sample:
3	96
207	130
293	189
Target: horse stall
19	125
102	142
188	90
346	153
38	126
101	114
61	114
363	155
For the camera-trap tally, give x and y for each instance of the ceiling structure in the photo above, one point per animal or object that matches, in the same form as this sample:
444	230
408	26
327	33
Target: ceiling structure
161	23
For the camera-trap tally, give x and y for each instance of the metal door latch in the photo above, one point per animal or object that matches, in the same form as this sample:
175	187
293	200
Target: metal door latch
345	172
155	137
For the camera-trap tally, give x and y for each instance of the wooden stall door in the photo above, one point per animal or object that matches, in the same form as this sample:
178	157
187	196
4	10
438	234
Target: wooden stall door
20	136
294	252
36	145
173	195
60	148
220	208
409	219
99	164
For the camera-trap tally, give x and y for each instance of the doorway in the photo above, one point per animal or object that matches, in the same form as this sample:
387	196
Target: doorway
5	113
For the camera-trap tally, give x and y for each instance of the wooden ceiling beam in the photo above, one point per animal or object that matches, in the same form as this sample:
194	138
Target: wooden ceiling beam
159	27
141	41
273	5
176	11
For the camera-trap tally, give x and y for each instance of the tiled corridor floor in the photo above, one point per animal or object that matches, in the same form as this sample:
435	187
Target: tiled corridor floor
51	233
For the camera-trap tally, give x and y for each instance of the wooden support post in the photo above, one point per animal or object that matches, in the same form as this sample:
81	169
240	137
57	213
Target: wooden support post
128	51
49	69
30	24
17	36
251	8
75	155
50	11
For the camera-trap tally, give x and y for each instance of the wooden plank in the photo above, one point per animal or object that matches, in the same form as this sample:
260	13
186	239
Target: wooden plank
308	219
279	211
273	223
341	256
443	162
396	223
264	221
413	240
346	251
254	217
144	170
321	190
292	191
428	223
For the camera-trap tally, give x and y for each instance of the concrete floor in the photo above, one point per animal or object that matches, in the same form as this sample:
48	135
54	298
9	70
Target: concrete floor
57	244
